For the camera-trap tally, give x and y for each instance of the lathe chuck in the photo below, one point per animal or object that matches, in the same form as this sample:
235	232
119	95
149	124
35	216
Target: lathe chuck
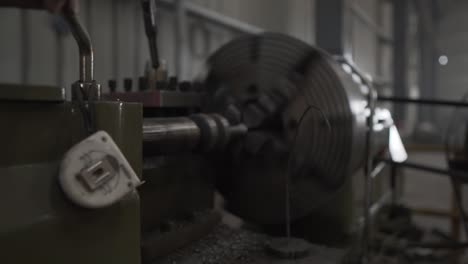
306	120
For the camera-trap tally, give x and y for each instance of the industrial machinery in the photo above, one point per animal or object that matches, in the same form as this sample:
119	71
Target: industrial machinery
281	129
38	215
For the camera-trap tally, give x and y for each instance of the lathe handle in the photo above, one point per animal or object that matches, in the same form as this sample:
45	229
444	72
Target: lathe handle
81	36
85	46
151	29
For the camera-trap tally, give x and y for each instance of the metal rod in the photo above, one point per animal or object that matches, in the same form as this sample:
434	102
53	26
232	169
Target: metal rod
416	166
368	170
436	102
59	61
84	45
181	38
25	46
115	58
393	183
215	18
151	29
137	41
378	169
439	245
458	214
376	206
458	174
432	212
200	132
169	135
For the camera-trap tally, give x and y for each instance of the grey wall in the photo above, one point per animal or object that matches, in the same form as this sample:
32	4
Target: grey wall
291	17
452	41
369	19
35	53
295	17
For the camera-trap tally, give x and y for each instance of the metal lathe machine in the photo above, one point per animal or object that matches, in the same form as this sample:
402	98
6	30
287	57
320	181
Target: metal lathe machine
286	134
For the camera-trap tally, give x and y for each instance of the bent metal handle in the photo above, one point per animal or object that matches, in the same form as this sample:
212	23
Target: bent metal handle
151	29
78	31
85	47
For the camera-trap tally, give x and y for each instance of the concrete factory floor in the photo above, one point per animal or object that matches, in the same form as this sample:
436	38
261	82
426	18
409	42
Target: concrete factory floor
428	190
431	191
422	190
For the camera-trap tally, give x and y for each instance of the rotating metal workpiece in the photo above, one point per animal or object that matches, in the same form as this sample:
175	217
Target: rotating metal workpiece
306	119
199	132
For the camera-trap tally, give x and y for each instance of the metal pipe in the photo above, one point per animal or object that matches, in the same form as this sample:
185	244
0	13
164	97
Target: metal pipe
378	169
137	43
198	12
59	61
181	39
151	29
457	173
115	58
458	213
25	46
375	208
439	245
393	183
436	102
169	135
368	169
432	212
84	45
200	132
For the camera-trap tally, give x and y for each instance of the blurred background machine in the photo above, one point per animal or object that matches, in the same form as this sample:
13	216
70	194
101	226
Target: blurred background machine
276	153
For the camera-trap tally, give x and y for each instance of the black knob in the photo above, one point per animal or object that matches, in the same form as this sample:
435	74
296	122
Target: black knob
128	84
112	86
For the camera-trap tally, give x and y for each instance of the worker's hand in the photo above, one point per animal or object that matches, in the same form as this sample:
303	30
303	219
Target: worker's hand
54	6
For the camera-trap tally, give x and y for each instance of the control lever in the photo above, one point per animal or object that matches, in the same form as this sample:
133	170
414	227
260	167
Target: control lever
149	19
85	47
86	89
